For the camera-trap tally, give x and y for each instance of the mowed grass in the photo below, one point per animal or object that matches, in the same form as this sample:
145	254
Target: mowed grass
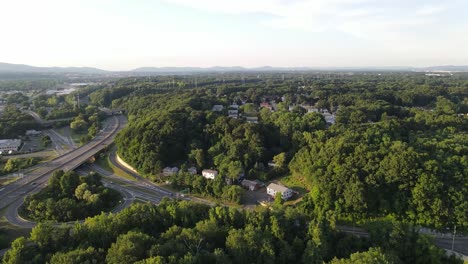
297	183
11	232
5	181
104	162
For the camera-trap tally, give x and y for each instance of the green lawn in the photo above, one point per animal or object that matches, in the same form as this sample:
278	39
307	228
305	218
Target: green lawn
12	232
105	163
297	183
5	181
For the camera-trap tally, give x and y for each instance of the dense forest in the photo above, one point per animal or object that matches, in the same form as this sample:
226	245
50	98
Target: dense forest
399	145
393	159
184	232
13	122
69	197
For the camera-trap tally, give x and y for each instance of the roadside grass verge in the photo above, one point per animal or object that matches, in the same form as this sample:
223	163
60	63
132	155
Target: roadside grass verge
11	232
104	162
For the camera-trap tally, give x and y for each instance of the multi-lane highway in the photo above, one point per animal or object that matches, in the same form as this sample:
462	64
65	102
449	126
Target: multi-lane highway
142	189
36	179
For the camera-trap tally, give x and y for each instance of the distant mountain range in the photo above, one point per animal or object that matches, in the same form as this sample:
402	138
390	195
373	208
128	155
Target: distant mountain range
21	68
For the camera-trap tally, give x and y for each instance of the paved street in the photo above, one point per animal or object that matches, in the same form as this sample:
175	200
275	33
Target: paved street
36	179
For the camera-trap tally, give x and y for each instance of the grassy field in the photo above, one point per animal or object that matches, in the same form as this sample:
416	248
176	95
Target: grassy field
105	163
11	232
4	181
297	183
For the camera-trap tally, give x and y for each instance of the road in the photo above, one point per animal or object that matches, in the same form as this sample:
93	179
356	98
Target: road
142	189
45	122
36	179
443	241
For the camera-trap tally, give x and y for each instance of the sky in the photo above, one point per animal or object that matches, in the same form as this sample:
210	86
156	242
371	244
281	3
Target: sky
126	34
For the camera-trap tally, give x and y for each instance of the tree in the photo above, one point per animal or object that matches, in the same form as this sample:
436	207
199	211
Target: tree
372	256
46	141
21	252
129	248
278	200
79	124
280	160
78	256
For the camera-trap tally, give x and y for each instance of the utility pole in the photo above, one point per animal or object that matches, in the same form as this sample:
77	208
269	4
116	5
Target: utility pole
453	238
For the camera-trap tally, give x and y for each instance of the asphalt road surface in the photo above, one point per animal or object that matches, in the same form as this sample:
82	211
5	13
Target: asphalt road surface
35	180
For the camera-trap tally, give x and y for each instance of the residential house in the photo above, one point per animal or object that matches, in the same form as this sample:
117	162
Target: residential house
217	108
329	118
251	185
192	170
209	174
266	105
252	119
168	171
233	113
273	189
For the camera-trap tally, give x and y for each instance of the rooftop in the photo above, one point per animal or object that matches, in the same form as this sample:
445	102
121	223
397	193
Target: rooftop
277	187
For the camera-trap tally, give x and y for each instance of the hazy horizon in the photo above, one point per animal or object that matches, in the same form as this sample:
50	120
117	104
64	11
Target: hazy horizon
123	35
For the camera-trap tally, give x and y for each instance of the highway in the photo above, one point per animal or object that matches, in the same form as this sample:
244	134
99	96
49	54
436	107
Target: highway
33	181
13	195
43	121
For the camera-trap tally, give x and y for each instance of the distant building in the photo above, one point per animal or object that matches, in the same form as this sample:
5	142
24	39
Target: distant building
217	108
266	105
273	189
9	145
209	174
252	119
234	106
168	171
192	170
233	113
251	185
33	133
329	118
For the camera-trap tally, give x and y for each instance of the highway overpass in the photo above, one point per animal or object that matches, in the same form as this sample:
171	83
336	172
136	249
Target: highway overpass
37	179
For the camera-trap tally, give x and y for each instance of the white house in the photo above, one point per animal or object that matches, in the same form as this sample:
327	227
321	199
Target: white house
168	171
209	174
273	189
9	145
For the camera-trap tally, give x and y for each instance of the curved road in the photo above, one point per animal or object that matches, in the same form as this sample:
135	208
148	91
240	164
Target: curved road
36	179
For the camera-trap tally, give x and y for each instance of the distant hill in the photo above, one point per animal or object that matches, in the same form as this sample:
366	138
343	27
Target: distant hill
22	68
188	69
451	68
219	69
